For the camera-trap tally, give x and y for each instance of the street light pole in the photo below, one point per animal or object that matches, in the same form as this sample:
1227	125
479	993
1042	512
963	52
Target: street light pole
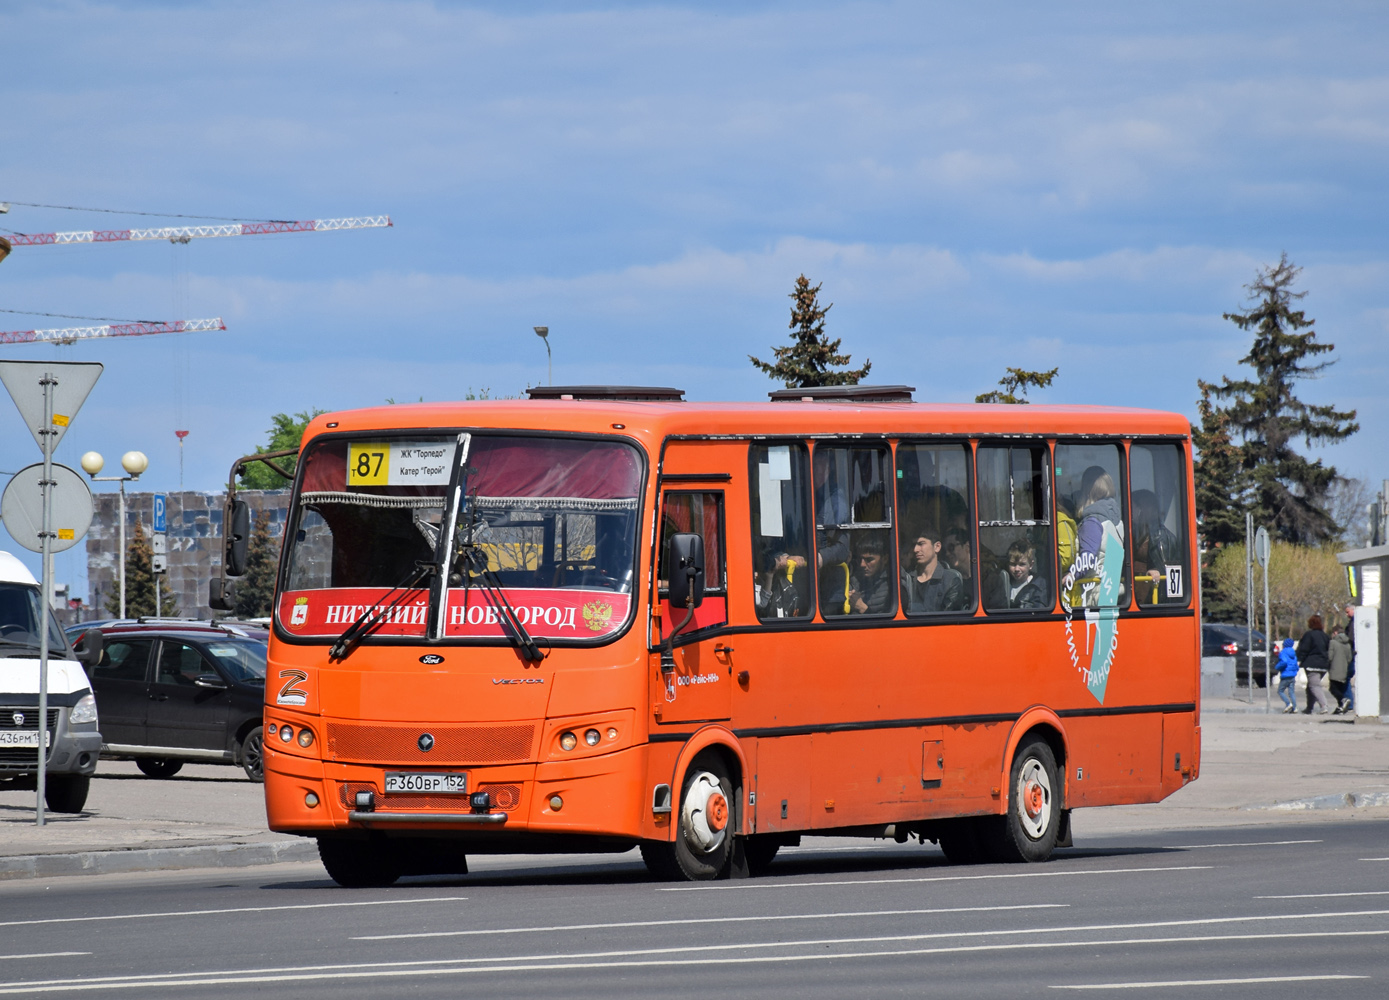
543	332
134	463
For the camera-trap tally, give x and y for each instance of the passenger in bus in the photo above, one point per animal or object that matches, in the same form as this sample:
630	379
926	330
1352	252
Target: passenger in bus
871	592
1025	588
775	591
927	583
1099	541
1154	545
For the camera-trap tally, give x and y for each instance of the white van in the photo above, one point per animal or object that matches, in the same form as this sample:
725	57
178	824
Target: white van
72	728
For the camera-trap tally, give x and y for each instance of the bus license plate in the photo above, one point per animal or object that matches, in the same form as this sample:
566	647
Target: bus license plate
432	782
25	738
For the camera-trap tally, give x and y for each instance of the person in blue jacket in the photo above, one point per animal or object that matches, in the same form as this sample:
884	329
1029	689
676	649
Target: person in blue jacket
1287	666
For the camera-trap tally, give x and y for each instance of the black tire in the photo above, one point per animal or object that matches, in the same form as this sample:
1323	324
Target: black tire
759	853
358	864
1027	832
703	842
960	842
66	793
250	754
158	767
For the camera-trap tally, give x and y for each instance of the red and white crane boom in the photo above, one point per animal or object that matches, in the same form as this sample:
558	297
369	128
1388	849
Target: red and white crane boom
182	234
72	334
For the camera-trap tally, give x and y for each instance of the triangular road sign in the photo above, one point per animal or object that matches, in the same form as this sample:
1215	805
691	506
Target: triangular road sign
74	381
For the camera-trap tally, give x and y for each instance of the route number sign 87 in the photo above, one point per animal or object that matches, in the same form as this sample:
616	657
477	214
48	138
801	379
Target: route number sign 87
368	464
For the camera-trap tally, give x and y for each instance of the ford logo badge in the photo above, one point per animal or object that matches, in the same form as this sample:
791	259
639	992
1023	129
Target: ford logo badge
426	742
430	659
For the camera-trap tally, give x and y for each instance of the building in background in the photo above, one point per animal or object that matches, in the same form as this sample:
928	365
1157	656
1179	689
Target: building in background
195	542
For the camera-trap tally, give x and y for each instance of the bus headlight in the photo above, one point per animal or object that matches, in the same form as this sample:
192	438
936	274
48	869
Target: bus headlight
84	711
286	734
591	737
306	737
568	741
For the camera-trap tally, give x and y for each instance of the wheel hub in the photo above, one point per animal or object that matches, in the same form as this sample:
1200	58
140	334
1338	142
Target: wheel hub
705	814
1034	799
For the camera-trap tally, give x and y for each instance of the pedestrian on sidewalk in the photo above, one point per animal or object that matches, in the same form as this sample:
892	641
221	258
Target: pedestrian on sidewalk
1339	656
1311	656
1350	634
1287	683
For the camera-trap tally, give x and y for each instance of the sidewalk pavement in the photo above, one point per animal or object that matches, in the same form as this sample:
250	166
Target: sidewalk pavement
1256	769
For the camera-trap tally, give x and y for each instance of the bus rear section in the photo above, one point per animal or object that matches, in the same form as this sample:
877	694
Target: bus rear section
727	628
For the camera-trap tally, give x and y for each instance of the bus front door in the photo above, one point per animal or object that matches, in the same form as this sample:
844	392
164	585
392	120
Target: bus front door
696	671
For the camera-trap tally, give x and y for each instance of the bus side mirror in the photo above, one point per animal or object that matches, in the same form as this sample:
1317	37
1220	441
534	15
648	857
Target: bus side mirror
89	647
236	537
686	585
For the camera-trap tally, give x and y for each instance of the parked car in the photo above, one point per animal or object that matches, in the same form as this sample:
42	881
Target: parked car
71	723
1223	639
177	691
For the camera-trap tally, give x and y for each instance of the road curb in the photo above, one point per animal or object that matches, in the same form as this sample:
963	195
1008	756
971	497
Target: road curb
156	859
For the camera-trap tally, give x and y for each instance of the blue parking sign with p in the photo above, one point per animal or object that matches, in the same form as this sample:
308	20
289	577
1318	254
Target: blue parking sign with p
161	502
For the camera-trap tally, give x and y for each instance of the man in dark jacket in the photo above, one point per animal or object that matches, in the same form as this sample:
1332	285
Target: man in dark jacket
927	583
871	593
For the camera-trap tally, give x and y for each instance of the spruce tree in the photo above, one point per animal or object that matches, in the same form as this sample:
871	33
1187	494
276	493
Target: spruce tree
1222	488
1015	385
1288	491
810	358
140	582
255	591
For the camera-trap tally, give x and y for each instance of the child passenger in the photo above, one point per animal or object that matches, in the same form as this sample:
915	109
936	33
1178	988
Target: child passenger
1287	674
1025	589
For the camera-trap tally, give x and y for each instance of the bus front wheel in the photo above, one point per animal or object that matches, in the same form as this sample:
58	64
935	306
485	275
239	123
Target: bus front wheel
703	836
1028	830
358	864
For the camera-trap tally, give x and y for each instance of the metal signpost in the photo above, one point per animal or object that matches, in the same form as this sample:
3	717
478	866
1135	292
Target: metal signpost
159	558
1262	549
48	395
1248	602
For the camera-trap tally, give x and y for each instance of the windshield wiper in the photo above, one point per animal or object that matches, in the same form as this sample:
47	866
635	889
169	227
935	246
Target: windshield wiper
474	559
375	616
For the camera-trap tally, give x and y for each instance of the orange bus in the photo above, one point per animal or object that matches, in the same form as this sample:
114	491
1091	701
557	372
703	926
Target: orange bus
605	617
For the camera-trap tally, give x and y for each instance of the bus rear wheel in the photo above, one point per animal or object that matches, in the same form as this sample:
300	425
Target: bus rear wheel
703	835
358	864
1028	831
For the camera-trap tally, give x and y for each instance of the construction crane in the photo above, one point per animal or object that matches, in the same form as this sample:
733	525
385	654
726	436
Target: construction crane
72	334
182	234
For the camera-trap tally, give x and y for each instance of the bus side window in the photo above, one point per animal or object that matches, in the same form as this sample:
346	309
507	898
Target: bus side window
1092	537
1015	547
1157	506
853	530
782	536
702	514
935	533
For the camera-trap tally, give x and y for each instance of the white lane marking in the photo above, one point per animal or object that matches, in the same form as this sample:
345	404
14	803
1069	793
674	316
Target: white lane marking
384	970
1328	895
46	954
1255	843
1362	859
726	887
1205	982
710	920
235	909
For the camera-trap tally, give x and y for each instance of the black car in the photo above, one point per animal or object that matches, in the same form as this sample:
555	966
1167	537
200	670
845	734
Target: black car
171	692
1221	639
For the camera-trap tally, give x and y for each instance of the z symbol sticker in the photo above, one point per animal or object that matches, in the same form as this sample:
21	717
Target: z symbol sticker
291	693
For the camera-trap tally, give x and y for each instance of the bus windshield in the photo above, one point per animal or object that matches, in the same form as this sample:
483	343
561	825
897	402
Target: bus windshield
555	518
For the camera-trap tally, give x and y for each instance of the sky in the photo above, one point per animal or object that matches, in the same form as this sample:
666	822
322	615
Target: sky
1086	185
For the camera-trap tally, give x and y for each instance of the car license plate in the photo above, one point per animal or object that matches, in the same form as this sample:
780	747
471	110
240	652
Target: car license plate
434	782
24	738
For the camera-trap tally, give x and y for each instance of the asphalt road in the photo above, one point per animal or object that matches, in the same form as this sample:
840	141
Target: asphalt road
1288	910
